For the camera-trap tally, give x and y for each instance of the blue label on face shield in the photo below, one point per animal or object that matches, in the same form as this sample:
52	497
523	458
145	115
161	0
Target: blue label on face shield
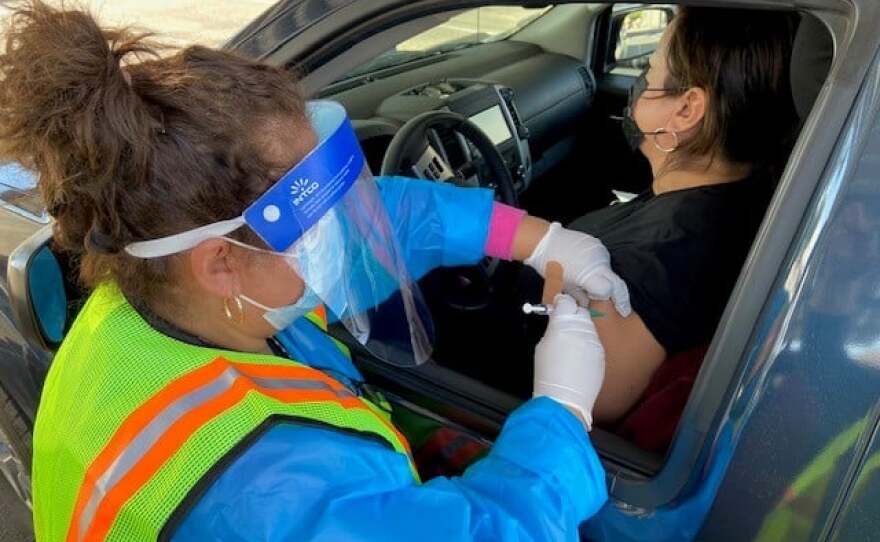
305	193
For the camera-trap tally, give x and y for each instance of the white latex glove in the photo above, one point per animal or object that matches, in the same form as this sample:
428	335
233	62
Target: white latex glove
586	266
569	359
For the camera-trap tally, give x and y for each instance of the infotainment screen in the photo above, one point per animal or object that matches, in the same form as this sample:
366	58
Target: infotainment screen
492	122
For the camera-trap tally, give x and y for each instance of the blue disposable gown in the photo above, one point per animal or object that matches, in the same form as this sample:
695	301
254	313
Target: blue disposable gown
540	480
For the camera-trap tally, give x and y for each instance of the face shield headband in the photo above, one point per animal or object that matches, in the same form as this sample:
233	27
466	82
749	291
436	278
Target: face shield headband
325	217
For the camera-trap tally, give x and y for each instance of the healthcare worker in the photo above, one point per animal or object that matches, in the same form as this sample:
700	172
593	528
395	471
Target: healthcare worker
220	222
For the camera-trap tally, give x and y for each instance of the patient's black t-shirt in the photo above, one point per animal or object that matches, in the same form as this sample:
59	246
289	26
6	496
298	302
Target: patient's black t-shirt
681	252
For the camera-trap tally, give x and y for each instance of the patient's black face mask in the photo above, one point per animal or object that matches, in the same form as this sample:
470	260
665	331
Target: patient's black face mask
631	131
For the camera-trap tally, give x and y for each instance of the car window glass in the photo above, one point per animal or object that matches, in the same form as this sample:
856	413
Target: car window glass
638	37
19	194
472	27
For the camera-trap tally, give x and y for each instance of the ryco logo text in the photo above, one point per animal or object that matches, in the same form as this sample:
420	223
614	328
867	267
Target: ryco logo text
301	189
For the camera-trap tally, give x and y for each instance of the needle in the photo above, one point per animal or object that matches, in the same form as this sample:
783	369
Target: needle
541	309
538	308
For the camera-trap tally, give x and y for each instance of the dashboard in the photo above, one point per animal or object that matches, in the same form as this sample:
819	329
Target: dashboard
528	101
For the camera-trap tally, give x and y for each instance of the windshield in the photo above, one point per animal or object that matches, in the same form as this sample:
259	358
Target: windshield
472	27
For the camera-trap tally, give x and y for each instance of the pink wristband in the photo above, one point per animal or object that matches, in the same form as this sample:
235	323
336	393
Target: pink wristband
502	229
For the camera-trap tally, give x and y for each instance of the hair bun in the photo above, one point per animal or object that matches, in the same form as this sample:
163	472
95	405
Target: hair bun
69	111
125	141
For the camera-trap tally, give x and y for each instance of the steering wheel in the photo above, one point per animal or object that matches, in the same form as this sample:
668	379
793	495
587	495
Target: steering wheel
418	149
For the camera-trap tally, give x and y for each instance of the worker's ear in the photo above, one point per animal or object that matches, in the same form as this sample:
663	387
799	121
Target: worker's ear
216	267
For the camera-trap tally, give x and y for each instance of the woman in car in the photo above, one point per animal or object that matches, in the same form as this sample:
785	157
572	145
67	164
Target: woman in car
173	408
713	114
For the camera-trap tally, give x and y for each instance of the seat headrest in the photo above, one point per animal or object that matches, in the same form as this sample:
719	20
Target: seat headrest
811	57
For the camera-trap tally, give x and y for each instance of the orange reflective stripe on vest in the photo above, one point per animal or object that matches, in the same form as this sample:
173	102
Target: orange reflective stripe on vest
155	431
320	313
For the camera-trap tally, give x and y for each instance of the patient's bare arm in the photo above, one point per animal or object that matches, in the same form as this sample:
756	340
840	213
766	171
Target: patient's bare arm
632	354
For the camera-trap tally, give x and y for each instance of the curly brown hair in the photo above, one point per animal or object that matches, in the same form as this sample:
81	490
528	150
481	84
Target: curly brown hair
131	145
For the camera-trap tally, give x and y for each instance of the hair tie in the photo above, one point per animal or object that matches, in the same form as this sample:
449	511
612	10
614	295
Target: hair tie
102	243
55	208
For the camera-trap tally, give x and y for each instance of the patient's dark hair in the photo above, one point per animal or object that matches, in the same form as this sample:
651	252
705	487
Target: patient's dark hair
741	58
130	145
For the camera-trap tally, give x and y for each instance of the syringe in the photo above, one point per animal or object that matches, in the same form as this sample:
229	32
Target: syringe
541	309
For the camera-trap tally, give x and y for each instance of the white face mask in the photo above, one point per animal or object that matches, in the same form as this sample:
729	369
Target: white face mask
319	255
282	317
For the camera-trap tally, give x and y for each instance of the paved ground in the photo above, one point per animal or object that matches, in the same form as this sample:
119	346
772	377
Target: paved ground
178	21
15	518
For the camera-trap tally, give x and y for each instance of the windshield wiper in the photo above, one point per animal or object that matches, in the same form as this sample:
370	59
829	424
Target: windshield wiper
399	58
396	58
456	46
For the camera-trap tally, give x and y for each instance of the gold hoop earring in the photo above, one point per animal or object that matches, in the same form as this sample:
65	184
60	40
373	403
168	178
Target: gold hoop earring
238	307
660	148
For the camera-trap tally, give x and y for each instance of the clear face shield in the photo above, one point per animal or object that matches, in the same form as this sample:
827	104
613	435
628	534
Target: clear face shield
325	217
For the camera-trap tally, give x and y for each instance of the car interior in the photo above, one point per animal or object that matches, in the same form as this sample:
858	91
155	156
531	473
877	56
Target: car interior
542	88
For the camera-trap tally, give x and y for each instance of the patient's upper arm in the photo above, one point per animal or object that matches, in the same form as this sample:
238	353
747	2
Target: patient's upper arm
632	354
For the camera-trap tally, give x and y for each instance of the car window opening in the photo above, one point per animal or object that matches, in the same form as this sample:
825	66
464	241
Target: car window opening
484	335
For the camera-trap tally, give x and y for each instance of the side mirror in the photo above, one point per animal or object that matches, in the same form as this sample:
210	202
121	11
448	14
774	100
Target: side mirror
638	62
37	291
638	34
47	295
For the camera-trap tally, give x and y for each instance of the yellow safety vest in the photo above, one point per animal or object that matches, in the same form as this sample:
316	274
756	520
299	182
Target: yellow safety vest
131	420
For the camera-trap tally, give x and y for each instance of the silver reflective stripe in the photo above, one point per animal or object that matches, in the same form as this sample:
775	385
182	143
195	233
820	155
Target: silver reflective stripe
296	384
285	384
149	435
